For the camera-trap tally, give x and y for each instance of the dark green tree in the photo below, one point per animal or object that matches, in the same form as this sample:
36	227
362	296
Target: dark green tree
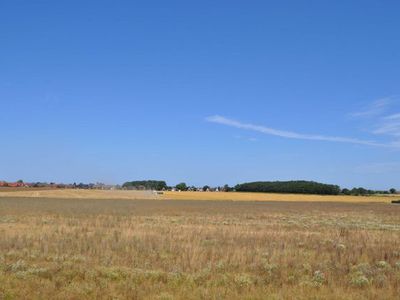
145	185
181	186
226	188
346	191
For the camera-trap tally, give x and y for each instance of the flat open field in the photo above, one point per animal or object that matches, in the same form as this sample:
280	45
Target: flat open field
77	194
236	196
52	248
121	194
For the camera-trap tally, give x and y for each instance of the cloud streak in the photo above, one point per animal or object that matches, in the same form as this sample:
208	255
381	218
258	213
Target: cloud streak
390	125
290	134
376	108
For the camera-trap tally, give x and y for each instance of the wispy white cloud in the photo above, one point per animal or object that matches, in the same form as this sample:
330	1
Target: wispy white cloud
393	117
290	134
375	108
389	125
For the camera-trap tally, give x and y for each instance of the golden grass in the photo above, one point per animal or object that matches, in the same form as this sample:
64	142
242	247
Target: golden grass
236	196
78	194
140	249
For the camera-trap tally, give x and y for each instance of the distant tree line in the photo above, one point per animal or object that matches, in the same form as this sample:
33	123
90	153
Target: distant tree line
184	187
364	192
291	187
145	185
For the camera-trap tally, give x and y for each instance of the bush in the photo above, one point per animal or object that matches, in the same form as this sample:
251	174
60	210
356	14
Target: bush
359	280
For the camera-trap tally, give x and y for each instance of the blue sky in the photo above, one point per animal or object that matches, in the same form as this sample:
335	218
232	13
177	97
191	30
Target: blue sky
206	92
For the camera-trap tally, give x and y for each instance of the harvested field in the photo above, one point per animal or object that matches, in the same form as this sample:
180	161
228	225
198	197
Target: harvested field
78	194
54	248
238	196
216	196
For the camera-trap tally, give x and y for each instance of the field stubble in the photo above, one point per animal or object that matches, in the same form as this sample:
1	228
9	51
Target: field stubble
141	249
169	195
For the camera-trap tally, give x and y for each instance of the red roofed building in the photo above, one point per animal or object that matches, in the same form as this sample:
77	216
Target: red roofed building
12	184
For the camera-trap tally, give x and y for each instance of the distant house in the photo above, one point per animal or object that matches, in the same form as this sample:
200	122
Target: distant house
11	184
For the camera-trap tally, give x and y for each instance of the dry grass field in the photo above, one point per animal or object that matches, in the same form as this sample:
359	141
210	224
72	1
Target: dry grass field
123	194
52	248
76	193
272	197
